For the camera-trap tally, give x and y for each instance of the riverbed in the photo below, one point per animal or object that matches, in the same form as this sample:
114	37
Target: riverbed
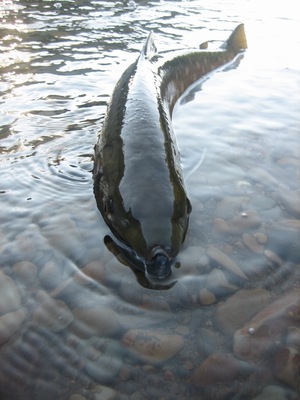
75	322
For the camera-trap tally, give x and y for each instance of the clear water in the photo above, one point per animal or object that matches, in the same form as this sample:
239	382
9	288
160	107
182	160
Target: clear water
74	322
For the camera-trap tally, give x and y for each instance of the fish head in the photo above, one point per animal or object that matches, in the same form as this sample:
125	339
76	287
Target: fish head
151	241
159	266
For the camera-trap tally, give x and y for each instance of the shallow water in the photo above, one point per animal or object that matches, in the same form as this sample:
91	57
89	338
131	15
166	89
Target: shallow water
74	322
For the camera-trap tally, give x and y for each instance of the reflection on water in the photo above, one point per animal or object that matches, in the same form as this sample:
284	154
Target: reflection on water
74	322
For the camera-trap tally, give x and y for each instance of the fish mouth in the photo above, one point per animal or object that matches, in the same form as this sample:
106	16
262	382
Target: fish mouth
160	265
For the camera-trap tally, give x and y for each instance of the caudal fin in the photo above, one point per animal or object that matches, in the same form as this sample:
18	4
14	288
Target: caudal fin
237	40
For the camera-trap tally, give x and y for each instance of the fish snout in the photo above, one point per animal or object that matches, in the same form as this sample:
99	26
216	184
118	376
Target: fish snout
160	265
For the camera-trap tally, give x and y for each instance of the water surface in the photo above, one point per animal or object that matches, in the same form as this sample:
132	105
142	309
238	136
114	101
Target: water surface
74	322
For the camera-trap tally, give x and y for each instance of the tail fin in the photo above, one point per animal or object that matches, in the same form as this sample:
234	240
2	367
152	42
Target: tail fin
149	49
237	40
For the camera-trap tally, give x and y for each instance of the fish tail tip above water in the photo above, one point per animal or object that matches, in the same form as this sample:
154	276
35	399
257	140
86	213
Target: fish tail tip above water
149	49
237	41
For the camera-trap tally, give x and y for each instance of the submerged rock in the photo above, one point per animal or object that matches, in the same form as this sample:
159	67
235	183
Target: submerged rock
272	392
26	272
287	367
51	313
153	346
258	335
239	308
10	298
225	261
10	324
219	368
95	322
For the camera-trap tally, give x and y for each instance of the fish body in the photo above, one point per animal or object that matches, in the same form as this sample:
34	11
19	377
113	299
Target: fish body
138	181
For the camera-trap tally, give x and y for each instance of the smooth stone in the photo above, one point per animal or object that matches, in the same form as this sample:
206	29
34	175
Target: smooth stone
218	283
272	392
228	206
206	297
258	335
68	240
209	342
274	258
191	259
94	270
10	324
104	393
293	338
26	272
225	261
153	346
287	362
239	308
248	219
260	237
90	322
290	199
104	369
251	243
10	298
284	239
76	396
263	177
51	313
260	202
50	275
219	368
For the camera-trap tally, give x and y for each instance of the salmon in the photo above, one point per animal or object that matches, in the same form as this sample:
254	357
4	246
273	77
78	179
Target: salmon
138	181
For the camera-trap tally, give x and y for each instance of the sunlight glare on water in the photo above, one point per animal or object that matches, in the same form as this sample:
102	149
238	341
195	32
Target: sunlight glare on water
77	324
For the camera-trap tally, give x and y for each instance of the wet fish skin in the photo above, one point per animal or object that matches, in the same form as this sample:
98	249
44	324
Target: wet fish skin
138	181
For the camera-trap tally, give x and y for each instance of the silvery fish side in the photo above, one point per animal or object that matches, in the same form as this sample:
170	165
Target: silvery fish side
138	182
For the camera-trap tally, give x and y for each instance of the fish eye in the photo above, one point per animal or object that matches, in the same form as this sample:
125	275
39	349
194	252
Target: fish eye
109	206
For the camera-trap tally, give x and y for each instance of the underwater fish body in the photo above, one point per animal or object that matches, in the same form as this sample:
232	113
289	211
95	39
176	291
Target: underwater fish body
138	181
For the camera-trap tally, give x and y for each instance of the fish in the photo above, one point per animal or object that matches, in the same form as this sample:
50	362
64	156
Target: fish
138	180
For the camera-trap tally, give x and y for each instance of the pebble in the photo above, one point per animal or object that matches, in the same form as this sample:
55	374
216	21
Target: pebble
248	219
284	239
274	258
95	270
229	206
10	298
51	313
153	346
263	177
225	261
192	258
261	238
258	335
251	242
10	323
272	392
104	393
290	199
76	396
239	308
104	369
206	297
99	321
219	368
218	283
293	338
287	364
209	342
26	272
50	275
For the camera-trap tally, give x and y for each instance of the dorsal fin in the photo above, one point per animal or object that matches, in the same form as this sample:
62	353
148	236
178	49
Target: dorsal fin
149	49
237	40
